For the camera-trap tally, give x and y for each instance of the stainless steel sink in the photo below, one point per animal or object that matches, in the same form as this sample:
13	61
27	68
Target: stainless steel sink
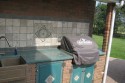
12	69
2	53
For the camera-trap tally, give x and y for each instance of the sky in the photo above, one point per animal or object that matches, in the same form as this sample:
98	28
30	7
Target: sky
97	3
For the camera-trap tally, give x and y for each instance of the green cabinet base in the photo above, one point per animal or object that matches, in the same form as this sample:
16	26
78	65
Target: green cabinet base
82	74
49	72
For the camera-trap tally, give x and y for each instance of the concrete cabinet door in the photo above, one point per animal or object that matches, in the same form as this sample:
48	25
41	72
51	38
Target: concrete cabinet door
49	72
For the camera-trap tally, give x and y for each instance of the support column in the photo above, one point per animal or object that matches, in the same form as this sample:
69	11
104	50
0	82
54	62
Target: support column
110	7
101	64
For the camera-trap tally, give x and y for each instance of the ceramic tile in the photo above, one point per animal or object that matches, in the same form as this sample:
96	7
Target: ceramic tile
78	30
69	30
2	34
23	22
37	26
30	30
74	30
87	25
43	21
37	21
16	29
30	37
16	43
49	21
54	24
54	35
2	22
22	43
16	36
30	23
53	30
48	40
2	44
59	30
83	25
20	32
9	36
29	43
70	24
79	25
9	29
10	43
64	30
59	24
64	24
9	22
23	36
74	25
39	42
16	22
23	29
2	29
54	41
82	30
86	31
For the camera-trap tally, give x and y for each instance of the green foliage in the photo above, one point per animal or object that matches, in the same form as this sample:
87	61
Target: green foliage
123	10
118	46
121	29
100	18
118	21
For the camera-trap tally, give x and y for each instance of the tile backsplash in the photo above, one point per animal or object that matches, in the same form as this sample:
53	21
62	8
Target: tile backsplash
28	33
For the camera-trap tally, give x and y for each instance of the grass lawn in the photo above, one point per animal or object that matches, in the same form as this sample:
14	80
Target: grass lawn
118	46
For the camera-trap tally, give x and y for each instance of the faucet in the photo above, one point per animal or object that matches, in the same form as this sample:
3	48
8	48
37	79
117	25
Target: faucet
6	40
2	53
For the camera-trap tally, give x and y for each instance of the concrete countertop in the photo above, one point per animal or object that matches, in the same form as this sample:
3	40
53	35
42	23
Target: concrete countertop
44	55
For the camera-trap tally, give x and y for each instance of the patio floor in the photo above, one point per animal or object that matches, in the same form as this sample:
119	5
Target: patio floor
116	72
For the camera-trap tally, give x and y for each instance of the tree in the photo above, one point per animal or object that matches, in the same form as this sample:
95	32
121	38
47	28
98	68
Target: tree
100	18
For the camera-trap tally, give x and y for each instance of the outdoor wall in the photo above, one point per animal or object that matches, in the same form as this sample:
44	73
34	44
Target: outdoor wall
51	9
28	23
28	33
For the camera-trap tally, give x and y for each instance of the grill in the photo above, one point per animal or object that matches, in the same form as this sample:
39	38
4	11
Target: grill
83	48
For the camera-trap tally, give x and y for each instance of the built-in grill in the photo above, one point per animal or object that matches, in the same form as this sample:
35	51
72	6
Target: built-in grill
83	49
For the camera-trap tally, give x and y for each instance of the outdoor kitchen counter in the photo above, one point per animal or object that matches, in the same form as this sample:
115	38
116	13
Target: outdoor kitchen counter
44	55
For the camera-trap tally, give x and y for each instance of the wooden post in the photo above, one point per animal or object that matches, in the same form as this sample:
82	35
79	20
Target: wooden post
110	7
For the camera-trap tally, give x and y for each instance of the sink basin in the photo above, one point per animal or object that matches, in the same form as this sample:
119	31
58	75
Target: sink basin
12	61
12	69
2	53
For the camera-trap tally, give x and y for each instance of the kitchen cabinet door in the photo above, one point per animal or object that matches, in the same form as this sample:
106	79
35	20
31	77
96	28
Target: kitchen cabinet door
77	74
49	72
82	74
88	78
